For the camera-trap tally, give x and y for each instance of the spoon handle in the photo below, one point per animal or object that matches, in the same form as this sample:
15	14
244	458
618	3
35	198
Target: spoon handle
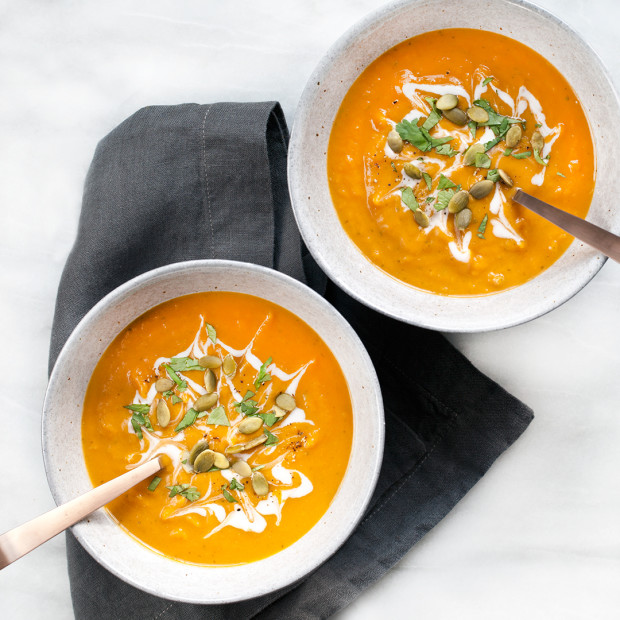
597	237
24	538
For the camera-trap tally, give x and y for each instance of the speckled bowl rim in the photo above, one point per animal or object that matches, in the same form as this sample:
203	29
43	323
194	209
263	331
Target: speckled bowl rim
359	278
285	567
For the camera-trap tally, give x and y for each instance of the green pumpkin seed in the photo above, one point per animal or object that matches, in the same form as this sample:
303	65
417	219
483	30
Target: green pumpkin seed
260	484
537	141
220	461
458	202
164	384
286	401
469	159
411	170
163	413
463	219
421	218
210	381
481	189
505	178
478	114
205	402
199	447
395	142
278	411
250	425
204	461
242	468
210	361
456	116
229	366
513	137
242	447
447	102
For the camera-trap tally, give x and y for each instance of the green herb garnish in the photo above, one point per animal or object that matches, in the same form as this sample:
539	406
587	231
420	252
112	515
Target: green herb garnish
428	180
445	183
493	175
140	418
538	125
218	417
494	117
181	364
191	415
539	159
268	418
181	384
430	198
446	149
393	167
482	160
227	496
188	492
419	136
176	400
263	375
483	226
434	117
443	198
235	485
522	155
154	483
487	80
246	405
211	333
271	438
508	152
473	126
561	175
409	199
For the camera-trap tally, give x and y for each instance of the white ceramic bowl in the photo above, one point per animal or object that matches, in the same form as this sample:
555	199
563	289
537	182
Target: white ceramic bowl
317	219
64	460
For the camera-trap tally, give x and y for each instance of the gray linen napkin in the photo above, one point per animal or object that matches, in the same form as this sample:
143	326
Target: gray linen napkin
209	181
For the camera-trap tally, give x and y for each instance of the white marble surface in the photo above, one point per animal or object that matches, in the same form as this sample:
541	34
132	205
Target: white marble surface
538	537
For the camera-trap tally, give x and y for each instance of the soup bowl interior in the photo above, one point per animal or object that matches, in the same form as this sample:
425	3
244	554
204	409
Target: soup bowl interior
308	182
122	554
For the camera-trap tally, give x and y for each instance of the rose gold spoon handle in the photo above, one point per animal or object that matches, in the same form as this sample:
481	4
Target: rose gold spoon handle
24	538
597	237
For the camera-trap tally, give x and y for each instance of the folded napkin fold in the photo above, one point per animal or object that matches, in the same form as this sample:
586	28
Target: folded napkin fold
209	181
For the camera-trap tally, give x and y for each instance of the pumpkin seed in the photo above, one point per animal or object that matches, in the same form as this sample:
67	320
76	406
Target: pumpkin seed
205	402
505	178
537	141
481	189
421	218
164	384
395	142
242	468
210	381
260	484
447	102
250	425
513	137
242	447
463	219
469	159
411	170
478	114
458	202
229	366
220	461
210	361
456	116
163	413
199	447
204	461
286	401
278	411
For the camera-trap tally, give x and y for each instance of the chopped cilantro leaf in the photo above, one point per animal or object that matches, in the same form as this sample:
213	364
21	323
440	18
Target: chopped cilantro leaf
181	364
443	198
522	155
493	175
235	485
482	160
211	333
227	495
271	438
263	375
409	199
187	491
445	183
487	80
154	483
483	226
191	415
218	417
427	179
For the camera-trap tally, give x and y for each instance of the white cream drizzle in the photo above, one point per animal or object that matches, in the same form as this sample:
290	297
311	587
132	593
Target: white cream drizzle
242	515
500	225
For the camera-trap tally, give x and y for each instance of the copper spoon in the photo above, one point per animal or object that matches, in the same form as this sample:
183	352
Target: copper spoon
24	538
597	237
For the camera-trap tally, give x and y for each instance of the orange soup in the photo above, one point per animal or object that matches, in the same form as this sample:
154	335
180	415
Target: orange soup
250	409
430	144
